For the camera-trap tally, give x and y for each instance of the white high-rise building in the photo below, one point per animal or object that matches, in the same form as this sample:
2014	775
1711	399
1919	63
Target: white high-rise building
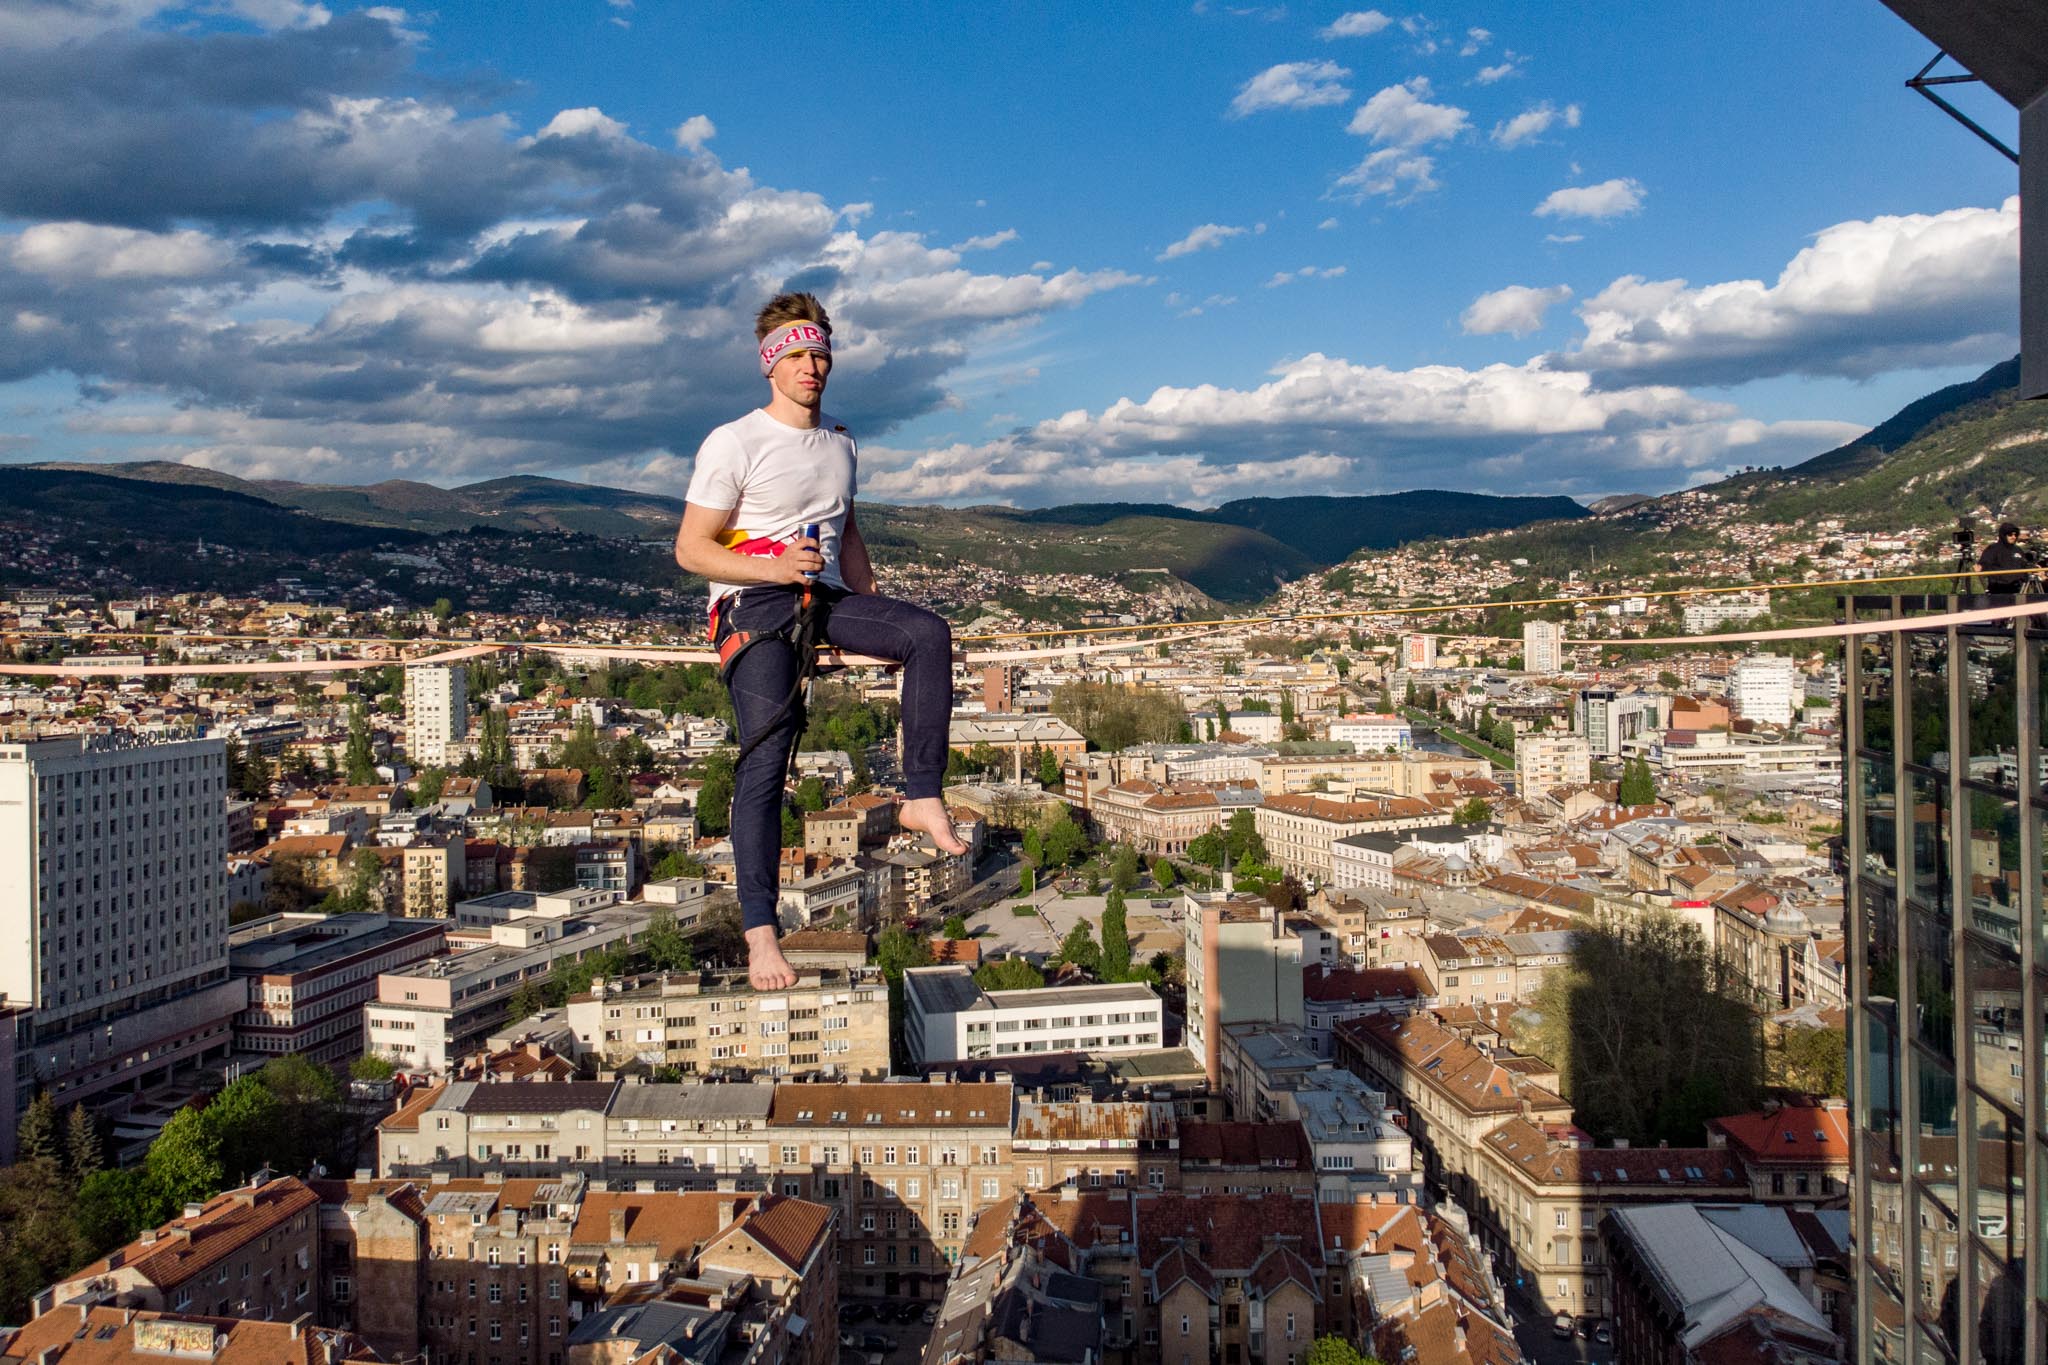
1420	651
1765	687
436	713
114	910
1542	647
1546	761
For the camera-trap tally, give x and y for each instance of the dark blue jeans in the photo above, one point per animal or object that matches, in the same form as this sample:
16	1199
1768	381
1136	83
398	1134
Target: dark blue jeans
859	623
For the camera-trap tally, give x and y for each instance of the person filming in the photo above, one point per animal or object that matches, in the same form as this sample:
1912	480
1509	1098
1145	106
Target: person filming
2005	554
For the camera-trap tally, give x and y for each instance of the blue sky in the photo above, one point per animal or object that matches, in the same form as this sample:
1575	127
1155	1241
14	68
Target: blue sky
1169	252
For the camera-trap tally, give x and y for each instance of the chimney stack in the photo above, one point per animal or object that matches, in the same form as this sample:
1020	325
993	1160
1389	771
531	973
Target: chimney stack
618	1226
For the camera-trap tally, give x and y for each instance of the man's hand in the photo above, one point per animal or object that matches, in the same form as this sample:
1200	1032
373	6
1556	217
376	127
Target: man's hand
799	563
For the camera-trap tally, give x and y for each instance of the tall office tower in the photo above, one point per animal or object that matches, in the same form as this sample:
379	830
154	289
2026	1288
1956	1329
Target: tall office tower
113	911
436	713
1948	962
1542	647
1765	688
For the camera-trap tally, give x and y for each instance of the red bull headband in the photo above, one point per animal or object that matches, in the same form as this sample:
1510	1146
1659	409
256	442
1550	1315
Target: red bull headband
794	336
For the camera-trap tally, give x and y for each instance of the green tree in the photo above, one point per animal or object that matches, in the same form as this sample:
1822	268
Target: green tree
1815	1060
1115	964
1009	974
955	927
664	944
428	785
37	1137
1638	787
810	794
1123	868
1209	849
1241	837
1049	774
1079	948
83	1151
365	877
1163	873
1473	812
720	936
792	829
1065	842
113	1206
1027	880
370	1067
359	761
1337	1351
677	863
38	1234
183	1163
714	799
528	999
897	949
1032	846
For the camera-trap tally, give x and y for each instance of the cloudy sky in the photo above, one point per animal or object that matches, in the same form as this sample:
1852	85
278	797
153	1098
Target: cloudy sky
1173	252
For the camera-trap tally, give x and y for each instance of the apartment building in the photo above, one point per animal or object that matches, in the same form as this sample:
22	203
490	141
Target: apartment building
1373	927
1542	647
833	1021
1299	830
249	1253
529	1271
118	1336
1546	761
426	1016
310	975
114	901
1096	1145
947	1017
1243	966
1373	732
436	713
1160	819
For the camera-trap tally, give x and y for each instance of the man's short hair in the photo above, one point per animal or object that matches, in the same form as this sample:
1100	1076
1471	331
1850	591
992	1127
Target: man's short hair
784	309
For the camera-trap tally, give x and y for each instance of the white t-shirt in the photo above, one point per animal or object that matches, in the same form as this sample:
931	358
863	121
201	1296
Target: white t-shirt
776	479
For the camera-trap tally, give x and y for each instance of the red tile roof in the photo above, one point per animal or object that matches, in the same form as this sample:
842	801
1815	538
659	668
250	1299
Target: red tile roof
1794	1132
1270	1146
186	1247
114	1336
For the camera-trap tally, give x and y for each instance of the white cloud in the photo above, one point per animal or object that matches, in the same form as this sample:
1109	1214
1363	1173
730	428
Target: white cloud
275	14
1392	171
1307	272
1564	238
1402	116
1207	237
1292	85
1533	122
693	132
74	251
1489	74
591	122
1323	424
1517	310
1864	298
1326	225
1608	199
988	241
1475	38
1359	23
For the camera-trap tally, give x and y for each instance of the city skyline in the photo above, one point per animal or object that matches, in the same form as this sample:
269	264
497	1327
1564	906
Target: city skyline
1330	251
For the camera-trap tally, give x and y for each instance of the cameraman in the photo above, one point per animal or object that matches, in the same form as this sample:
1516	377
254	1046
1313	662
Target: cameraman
2005	554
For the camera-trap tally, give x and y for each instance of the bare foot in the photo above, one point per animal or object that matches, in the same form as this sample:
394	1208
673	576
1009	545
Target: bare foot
767	968
927	815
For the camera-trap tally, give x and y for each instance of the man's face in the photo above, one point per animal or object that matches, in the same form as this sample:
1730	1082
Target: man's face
799	376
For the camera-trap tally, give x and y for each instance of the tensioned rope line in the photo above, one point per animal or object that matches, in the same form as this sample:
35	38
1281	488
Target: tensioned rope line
688	654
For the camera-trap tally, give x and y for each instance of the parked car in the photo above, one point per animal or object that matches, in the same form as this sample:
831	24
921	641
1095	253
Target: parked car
852	1312
1562	1326
929	1316
1604	1334
875	1341
908	1310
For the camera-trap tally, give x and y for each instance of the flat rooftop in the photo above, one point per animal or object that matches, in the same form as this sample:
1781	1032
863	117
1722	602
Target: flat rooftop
255	950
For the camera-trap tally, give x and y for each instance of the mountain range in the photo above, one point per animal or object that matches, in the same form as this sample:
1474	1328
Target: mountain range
1971	449
1238	552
